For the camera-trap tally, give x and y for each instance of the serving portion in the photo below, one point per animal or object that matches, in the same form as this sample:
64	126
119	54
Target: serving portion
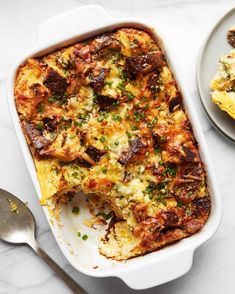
223	84
105	116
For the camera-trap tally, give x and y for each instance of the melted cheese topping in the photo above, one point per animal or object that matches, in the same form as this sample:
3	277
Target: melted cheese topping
105	117
223	85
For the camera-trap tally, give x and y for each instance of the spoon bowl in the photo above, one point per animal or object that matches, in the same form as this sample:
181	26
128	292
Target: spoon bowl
17	225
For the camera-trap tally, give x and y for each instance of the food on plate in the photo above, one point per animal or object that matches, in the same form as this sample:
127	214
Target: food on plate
105	116
223	84
231	36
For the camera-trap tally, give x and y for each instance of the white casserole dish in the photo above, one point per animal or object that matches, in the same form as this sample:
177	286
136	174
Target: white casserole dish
141	272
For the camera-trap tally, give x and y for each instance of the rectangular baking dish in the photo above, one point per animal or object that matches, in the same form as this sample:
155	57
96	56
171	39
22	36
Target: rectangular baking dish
141	272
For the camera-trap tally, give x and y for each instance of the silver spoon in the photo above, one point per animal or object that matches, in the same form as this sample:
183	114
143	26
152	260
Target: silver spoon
17	225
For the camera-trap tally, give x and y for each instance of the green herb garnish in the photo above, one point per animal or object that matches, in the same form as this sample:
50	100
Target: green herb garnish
40	107
84	237
117	117
75	210
102	139
40	126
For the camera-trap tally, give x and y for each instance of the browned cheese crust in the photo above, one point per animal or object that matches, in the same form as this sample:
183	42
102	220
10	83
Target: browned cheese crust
105	116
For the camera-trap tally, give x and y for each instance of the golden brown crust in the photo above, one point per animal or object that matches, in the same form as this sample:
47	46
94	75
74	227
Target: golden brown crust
105	116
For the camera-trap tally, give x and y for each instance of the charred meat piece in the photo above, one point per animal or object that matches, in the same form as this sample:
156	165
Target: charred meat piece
191	170
55	83
50	124
199	213
186	190
104	42
189	154
148	230
36	136
202	205
38	90
135	146
145	63
78	161
97	77
153	82
231	36
105	102
94	153
140	211
174	102
171	218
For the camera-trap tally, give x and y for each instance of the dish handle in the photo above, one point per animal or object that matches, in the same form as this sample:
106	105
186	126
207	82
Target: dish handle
71	24
159	271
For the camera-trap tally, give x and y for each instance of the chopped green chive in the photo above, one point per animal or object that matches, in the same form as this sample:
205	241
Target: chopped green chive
109	83
100	118
84	237
146	106
102	139
75	210
117	117
129	135
40	126
130	96
134	128
106	216
78	234
51	99
121	86
104	170
157	149
40	107
78	124
171	171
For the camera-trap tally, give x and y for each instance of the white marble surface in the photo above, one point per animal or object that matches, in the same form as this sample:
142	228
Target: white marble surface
185	24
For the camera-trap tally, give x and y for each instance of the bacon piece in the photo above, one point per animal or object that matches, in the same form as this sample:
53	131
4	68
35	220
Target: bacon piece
55	83
135	146
36	136
145	63
94	153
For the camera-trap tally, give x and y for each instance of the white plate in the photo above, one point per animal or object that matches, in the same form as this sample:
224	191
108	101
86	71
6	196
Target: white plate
144	271
215	45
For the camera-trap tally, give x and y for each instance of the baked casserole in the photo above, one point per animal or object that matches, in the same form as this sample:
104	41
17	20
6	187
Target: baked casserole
105	117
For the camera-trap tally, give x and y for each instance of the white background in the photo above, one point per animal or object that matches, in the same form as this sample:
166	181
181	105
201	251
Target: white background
185	24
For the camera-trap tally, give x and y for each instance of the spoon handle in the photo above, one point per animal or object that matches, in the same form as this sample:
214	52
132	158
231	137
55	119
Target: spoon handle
73	285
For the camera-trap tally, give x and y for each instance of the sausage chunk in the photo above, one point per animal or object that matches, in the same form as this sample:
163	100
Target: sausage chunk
231	36
135	146
55	83
145	63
